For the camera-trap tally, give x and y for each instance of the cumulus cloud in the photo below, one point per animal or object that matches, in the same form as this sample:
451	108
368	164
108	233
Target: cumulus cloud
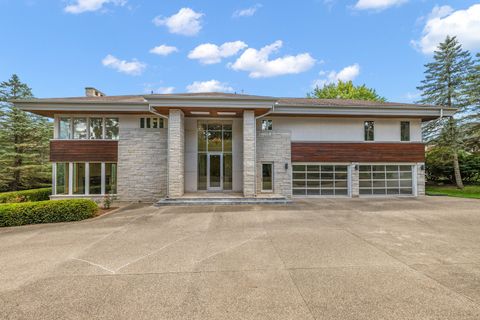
133	67
348	73
209	53
80	6
377	4
185	22
163	50
258	64
165	90
443	21
209	86
248	12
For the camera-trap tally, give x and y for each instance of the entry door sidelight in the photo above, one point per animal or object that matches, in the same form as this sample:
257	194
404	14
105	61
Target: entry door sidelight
214	171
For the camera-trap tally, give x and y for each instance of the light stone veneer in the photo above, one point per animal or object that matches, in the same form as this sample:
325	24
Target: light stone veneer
142	170
176	154
275	147
249	153
420	179
354	180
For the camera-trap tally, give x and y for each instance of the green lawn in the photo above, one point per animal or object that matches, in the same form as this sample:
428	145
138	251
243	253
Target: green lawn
472	192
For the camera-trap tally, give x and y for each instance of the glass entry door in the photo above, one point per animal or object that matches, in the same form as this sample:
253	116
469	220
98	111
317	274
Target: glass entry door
215	172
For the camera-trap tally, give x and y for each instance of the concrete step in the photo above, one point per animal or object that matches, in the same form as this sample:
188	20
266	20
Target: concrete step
220	201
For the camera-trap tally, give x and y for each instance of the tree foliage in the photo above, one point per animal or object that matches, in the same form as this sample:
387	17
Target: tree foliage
345	90
24	141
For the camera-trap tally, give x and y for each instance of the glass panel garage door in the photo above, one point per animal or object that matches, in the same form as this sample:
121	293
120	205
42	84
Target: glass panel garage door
386	180
320	180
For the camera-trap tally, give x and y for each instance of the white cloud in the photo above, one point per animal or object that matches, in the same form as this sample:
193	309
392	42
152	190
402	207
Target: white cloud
443	21
163	50
209	53
186	22
248	12
133	67
209	86
165	90
377	4
348	73
80	6
257	62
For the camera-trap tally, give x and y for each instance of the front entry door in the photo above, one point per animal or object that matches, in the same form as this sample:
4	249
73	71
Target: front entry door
215	172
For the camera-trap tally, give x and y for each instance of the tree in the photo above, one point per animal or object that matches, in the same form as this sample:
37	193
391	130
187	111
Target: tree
23	140
472	117
345	90
445	85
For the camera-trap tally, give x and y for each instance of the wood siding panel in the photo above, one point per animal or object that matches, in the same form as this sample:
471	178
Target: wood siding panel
357	152
83	150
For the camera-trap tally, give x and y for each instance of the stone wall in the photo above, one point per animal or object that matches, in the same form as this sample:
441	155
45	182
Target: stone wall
248	153
176	154
142	164
420	179
275	147
354	179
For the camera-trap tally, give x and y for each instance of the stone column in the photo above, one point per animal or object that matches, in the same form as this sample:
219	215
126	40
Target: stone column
420	178
355	180
176	154
248	153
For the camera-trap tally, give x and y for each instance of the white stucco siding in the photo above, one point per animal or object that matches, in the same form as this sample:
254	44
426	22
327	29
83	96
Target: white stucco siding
343	129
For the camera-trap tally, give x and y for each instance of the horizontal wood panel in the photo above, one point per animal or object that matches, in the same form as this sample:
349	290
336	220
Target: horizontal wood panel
83	150
357	152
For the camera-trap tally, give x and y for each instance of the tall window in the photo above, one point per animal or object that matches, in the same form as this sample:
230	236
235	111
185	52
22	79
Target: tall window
88	128
78	178
111	178
405	131
369	130
267	176
96	128
62	178
65	128
98	179
111	128
79	128
267	125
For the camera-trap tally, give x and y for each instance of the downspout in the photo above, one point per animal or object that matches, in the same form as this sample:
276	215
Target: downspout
151	110
255	143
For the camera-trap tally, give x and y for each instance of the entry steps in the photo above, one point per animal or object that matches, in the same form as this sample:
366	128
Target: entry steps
195	201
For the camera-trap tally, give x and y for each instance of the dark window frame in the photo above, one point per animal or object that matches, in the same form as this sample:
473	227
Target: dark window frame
369	130
405	131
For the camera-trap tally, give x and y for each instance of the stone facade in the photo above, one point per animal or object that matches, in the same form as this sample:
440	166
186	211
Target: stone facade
275	147
176	154
249	153
354	180
420	178
142	170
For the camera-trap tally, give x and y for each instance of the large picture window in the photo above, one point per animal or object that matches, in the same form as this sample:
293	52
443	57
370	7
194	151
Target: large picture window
88	128
85	178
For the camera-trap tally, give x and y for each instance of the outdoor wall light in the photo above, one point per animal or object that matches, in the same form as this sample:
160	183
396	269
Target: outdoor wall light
355	167
422	167
286	166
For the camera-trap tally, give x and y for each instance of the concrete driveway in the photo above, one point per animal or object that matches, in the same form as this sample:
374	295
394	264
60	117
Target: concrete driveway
315	259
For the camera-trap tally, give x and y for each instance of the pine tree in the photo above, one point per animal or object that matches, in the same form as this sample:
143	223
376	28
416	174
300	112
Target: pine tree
445	85
23	140
472	117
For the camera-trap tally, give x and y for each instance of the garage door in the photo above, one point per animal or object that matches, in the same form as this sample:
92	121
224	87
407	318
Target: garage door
386	180
320	180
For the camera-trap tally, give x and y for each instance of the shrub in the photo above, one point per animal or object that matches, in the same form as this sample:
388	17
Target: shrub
26	195
439	166
16	214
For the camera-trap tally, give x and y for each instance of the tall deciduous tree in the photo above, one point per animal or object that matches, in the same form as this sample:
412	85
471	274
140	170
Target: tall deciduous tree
445	85
23	140
345	90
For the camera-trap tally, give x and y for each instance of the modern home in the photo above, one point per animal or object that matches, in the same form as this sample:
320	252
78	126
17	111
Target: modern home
154	146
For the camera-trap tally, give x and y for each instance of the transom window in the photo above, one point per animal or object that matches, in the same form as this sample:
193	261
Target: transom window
369	130
151	123
320	180
88	128
405	131
267	125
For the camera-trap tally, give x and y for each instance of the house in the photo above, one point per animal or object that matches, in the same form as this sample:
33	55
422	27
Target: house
148	147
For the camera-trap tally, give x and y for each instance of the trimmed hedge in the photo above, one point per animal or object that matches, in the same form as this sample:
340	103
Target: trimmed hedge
17	214
26	195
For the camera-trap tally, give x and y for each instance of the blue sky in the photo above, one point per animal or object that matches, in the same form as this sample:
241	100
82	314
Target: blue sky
278	48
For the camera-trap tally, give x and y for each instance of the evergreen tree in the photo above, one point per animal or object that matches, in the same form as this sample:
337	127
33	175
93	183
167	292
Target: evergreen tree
445	85
345	90
23	140
472	127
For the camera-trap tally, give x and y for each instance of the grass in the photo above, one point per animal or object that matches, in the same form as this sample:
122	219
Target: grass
472	192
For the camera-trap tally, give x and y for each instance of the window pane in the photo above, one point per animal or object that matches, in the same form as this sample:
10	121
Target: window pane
267	125
299	192
227	127
227	141
111	178
313	175
62	178
369	128
95	179
299	183
202	139
142	123
227	171
160	124
65	128
154	123
299	175
79	128
267	176
96	128
214	126
214	140
202	171
148	126
405	131
297	167
111	128
78	178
